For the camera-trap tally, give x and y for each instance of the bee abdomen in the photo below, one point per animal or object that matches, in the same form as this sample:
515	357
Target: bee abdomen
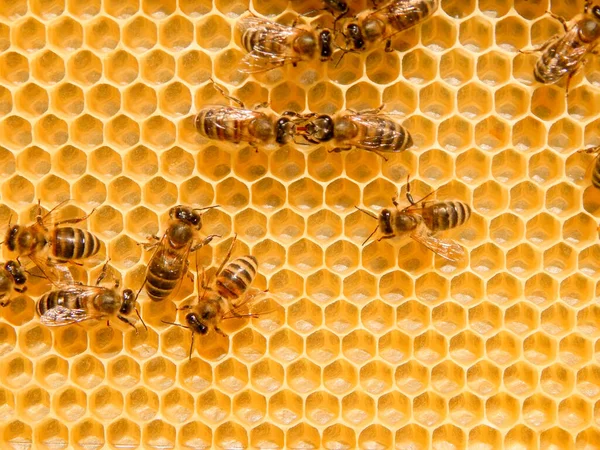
401	20
596	174
74	243
237	276
214	123
446	215
59	298
162	279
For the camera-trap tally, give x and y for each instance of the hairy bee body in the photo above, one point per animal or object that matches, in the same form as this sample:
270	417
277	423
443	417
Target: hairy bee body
563	55
76	303
12	277
165	271
69	243
373	27
232	124
271	45
237	276
436	216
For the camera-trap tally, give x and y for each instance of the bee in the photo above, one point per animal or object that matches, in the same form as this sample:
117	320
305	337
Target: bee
223	300
339	6
367	130
169	262
423	219
564	55
76	303
374	26
271	45
50	245
234	124
596	165
12	278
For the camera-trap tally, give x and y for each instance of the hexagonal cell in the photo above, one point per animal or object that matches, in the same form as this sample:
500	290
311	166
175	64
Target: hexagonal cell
213	33
562	199
140	34
285	407
582	103
465	409
548	102
121	67
87	131
68	99
455	134
493	68
157	67
526	198
31	100
539	411
565	135
448	436
543	230
51	130
456	67
511	33
473	100
419	66
15	68
29	35
484	378
475	33
84	68
339	436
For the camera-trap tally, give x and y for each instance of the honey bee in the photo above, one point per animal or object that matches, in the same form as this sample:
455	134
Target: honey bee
50	245
375	26
423	219
271	45
223	300
564	55
12	278
76	303
596	165
367	130
169	262
234	124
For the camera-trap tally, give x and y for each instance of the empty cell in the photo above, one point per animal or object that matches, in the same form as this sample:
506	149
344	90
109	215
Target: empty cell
475	34
436	100
176	33
541	289
422	131
158	433
521	318
89	190
456	134
485	318
575	350
287	97
362	97
16	132
358	409
484	378
506	230
68	99
122	132
51	371
53	189
29	35
543	230
419	66
523	67
51	131
86	131
140	34
487	260
285	407
539	349
448	436
302	435
539	411
33	403
413	436
439	34
559	260
582	103
490	198
325	98
382	67
303	376
474	100
456	67
159	9
466	347
121	9
30	99
587	438
159	132
493	68
521	379
472	166
250	164
492	134
102	34
530	10
306	195
213	33
214	163
194	67
83	9
157	67
430	347
587	262
108	341
70	404
484	435
503	348
324	165
251	225
34	162
576	290
512	34
341	316
339	377
526	198
447	378
124	372
14	68
465	409
562	200
548	102
393	409
104	161
545	167
177	406
339	436
106	403
104	100
345	71
13	10
358	346
565	136
121	67
213	406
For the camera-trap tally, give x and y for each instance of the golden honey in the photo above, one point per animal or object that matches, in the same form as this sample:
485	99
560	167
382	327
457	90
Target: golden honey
377	346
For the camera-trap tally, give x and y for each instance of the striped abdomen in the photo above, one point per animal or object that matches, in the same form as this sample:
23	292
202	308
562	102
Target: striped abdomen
69	243
403	14
263	39
596	174
559	58
66	299
225	123
378	133
236	277
165	270
441	216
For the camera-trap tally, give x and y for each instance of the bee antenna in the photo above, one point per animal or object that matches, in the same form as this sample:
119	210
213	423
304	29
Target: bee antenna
368	213
176	324
206	207
140	317
371	235
191	347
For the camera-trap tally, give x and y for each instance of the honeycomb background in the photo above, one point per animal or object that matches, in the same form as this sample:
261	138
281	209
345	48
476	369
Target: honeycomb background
366	347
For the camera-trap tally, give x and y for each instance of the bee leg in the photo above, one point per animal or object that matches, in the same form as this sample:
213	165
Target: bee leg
380	154
204	242
561	19
75	220
590	150
103	273
221	332
184	308
4	304
20	290
128	322
386	236
150	245
227	96
227	256
388	46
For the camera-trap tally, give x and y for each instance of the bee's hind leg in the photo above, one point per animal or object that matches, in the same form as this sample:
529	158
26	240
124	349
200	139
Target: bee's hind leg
561	19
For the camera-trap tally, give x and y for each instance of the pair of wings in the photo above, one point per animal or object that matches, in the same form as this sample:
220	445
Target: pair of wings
380	132
446	248
262	57
231	116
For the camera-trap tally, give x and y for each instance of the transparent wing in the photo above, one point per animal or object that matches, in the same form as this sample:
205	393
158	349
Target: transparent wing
446	248
271	45
243	307
383	132
59	316
57	274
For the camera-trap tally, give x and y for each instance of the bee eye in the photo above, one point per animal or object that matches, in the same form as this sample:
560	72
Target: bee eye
596	11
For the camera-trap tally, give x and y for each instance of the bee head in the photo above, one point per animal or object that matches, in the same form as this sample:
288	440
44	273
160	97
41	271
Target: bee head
325	39
355	35
186	214
17	272
284	129
385	222
128	304
321	128
196	324
306	44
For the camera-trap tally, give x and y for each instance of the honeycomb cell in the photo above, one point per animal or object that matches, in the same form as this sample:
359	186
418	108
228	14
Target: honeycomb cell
250	164
456	67
493	68
475	33
124	433
455	134
213	33
548	102
157	67
565	135
418	66
14	68
140	34
121	67
582	103
84	68
473	101
541	289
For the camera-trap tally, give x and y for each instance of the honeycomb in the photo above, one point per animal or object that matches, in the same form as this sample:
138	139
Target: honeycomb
378	346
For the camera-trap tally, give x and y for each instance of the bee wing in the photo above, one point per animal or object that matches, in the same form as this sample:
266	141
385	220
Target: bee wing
170	259
232	117
59	316
384	131
251	297
57	274
446	248
265	57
